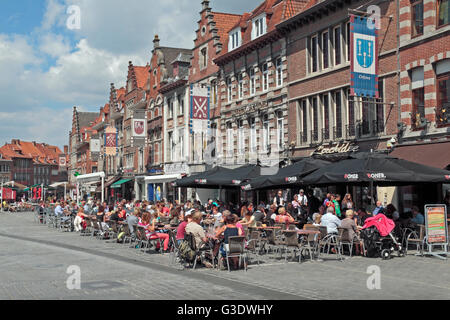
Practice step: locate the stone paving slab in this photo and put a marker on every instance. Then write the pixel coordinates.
(35, 269)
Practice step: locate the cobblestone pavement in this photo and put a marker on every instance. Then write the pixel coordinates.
(34, 261)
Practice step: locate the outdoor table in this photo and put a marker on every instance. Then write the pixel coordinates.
(307, 232)
(262, 228)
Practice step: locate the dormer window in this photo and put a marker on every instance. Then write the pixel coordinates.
(259, 26)
(235, 39)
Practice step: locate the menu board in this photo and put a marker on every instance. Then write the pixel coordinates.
(436, 224)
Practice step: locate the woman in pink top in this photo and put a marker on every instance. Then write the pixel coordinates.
(150, 231)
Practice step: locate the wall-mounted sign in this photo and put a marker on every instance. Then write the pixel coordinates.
(364, 57)
(139, 128)
(340, 147)
(250, 108)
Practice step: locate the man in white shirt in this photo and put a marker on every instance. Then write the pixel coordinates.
(302, 198)
(330, 221)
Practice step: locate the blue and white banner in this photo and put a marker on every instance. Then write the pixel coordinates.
(364, 57)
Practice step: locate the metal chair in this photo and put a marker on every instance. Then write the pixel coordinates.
(236, 249)
(291, 243)
(141, 238)
(417, 238)
(272, 241)
(310, 244)
(254, 243)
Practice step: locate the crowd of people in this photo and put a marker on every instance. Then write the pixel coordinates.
(213, 222)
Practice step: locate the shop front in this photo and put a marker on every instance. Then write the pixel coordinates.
(123, 190)
(160, 187)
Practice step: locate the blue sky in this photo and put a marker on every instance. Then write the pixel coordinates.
(46, 69)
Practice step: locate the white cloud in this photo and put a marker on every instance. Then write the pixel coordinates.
(37, 99)
(37, 124)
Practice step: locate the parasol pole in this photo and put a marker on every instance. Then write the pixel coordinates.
(2, 197)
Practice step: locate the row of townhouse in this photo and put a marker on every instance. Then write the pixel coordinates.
(32, 163)
(278, 80)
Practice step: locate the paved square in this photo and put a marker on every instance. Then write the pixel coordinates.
(35, 260)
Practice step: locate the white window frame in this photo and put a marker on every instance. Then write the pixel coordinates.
(235, 39)
(265, 77)
(229, 84)
(241, 85)
(265, 132)
(259, 26)
(241, 137)
(279, 71)
(340, 45)
(316, 37)
(280, 131)
(252, 82)
(230, 138)
(169, 146)
(322, 53)
(347, 41)
(252, 126)
(181, 143)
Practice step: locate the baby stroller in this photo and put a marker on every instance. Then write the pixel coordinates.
(379, 239)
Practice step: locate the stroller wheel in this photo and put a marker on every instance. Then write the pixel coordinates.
(386, 254)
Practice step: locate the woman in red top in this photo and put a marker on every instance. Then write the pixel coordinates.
(182, 227)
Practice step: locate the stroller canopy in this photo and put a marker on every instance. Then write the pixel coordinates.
(383, 224)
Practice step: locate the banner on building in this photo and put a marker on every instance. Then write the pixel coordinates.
(200, 108)
(111, 141)
(364, 57)
(139, 128)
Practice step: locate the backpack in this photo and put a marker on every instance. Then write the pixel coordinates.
(186, 252)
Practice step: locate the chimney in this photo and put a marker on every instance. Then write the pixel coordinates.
(205, 5)
(156, 42)
(66, 149)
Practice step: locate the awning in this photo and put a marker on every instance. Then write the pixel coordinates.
(110, 181)
(59, 184)
(163, 178)
(431, 154)
(90, 177)
(119, 183)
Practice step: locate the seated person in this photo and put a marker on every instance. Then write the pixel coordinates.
(283, 216)
(260, 214)
(317, 217)
(330, 221)
(228, 230)
(418, 218)
(352, 234)
(249, 220)
(201, 241)
(150, 231)
(181, 231)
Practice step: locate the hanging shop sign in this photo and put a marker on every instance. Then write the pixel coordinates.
(340, 147)
(364, 57)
